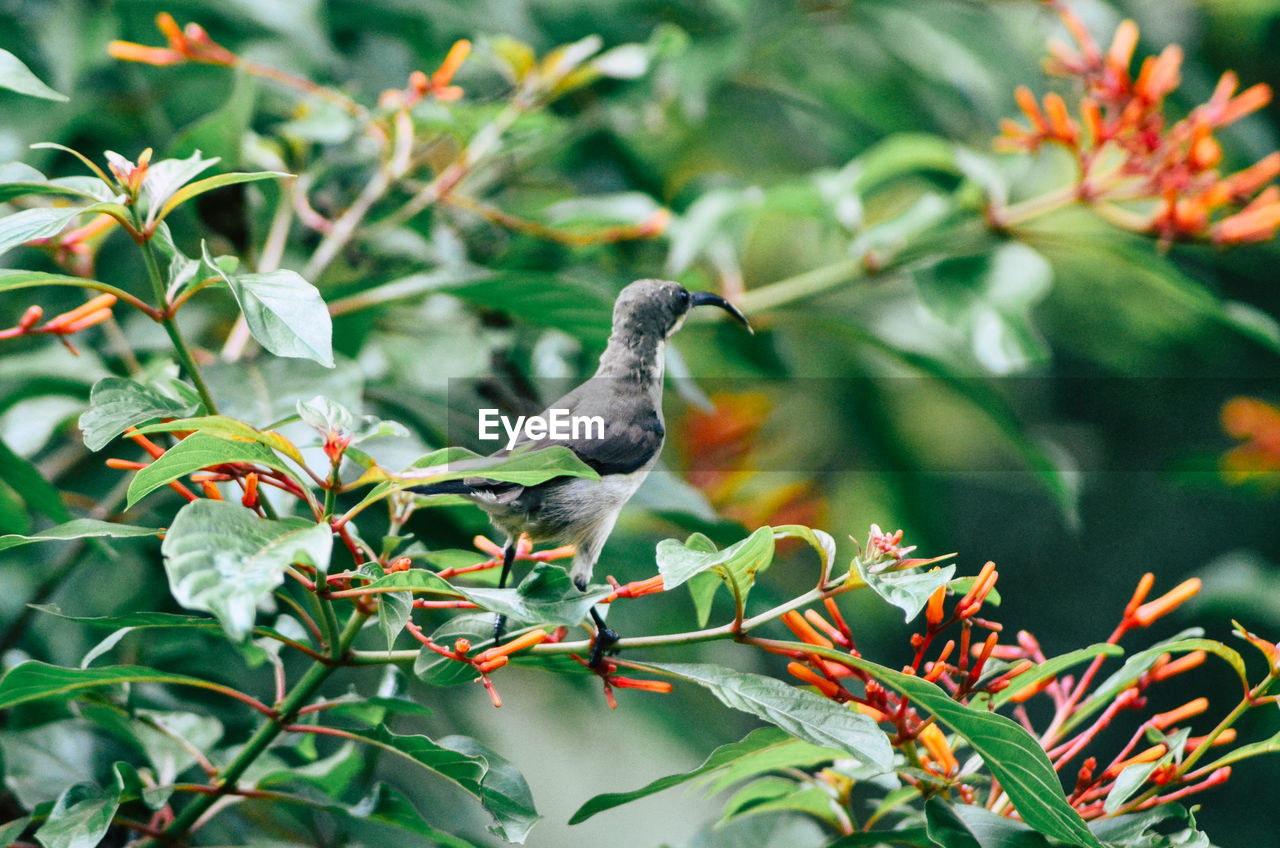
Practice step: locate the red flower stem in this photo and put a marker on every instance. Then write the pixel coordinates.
(1064, 712)
(1218, 776)
(1064, 753)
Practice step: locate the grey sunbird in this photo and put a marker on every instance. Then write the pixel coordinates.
(626, 392)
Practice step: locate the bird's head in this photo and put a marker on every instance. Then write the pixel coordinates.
(657, 308)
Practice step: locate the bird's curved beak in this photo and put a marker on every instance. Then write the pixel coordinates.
(712, 299)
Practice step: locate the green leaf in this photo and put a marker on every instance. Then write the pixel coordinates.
(902, 154)
(199, 187)
(193, 453)
(18, 179)
(116, 404)
(386, 805)
(10, 831)
(16, 76)
(973, 826)
(13, 278)
(819, 540)
(285, 313)
(39, 494)
(1012, 755)
(35, 681)
(526, 467)
(80, 818)
(1132, 777)
(1054, 666)
(785, 751)
(39, 222)
(736, 564)
(545, 596)
(167, 176)
(1244, 752)
(133, 620)
(79, 528)
(802, 714)
(988, 298)
(230, 429)
(394, 609)
(908, 589)
(500, 788)
(1137, 665)
(222, 558)
(771, 794)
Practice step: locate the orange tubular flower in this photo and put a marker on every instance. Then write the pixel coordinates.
(1166, 603)
(804, 631)
(1150, 755)
(935, 743)
(528, 640)
(1161, 721)
(826, 687)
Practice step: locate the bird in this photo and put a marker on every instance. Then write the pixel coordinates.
(626, 392)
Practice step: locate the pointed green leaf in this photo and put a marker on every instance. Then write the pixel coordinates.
(285, 313)
(739, 562)
(79, 528)
(199, 187)
(116, 404)
(223, 559)
(80, 818)
(907, 589)
(819, 540)
(193, 453)
(34, 681)
(166, 176)
(803, 714)
(16, 76)
(39, 494)
(771, 794)
(230, 429)
(761, 750)
(545, 596)
(973, 826)
(1056, 665)
(30, 224)
(1012, 755)
(500, 788)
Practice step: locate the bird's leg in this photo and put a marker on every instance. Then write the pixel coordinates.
(605, 639)
(508, 557)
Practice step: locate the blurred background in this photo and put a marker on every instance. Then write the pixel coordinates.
(1048, 398)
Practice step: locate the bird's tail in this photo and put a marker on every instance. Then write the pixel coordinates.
(448, 487)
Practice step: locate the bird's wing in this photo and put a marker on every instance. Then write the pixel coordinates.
(632, 428)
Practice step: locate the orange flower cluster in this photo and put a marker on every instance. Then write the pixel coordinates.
(91, 312)
(437, 85)
(1128, 153)
(186, 44)
(966, 668)
(1257, 425)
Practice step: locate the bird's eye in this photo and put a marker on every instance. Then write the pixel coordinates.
(684, 297)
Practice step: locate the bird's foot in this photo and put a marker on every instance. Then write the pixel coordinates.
(605, 639)
(499, 625)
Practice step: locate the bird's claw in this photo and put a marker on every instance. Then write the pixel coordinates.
(605, 639)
